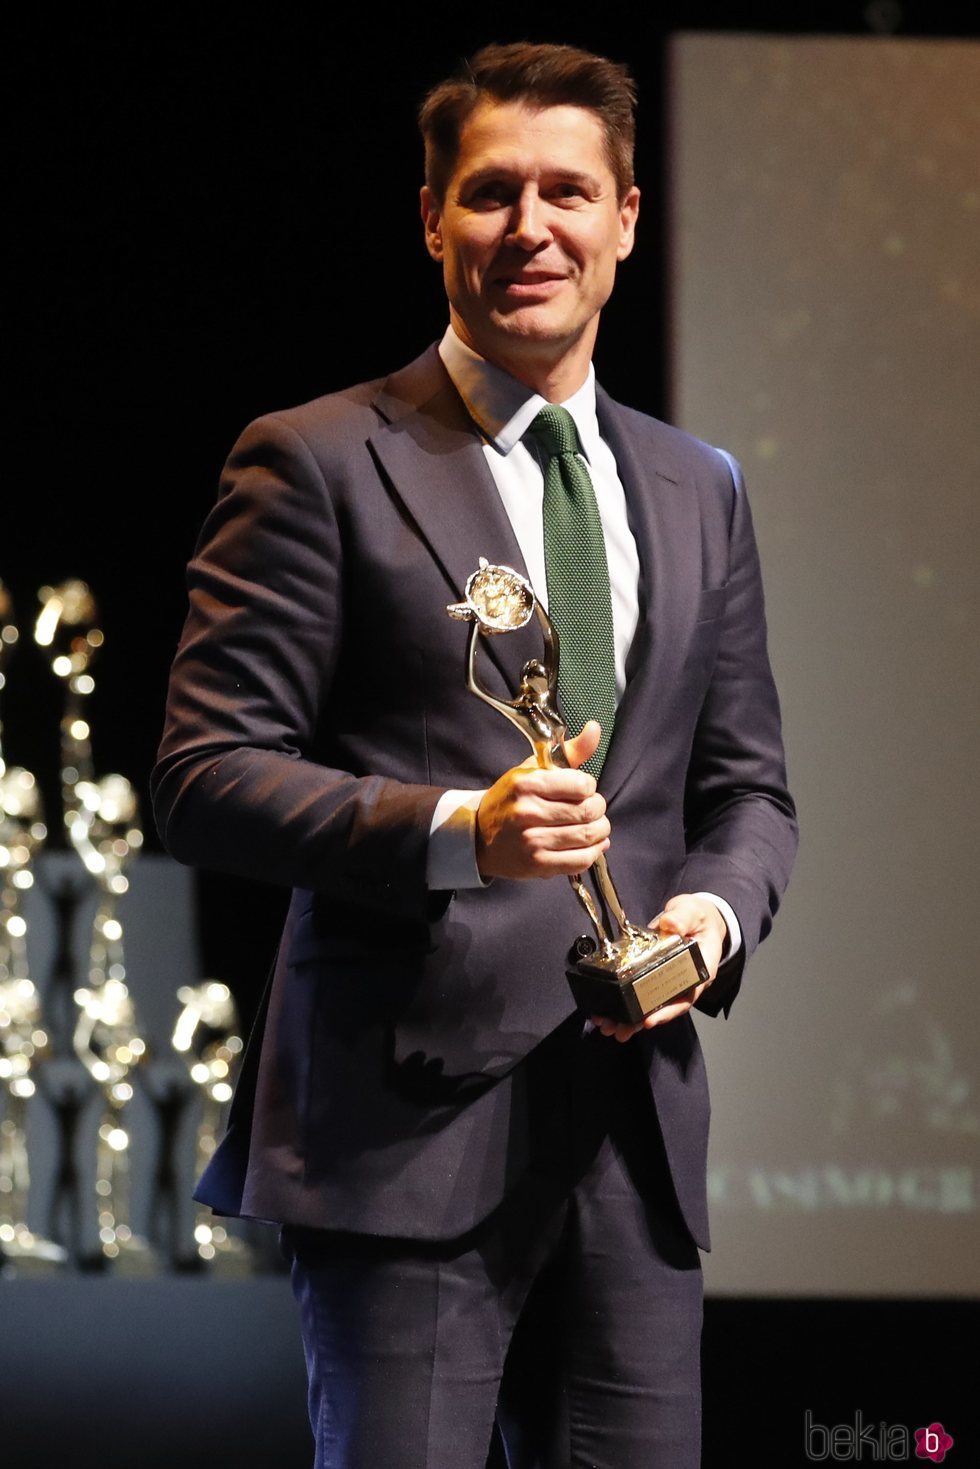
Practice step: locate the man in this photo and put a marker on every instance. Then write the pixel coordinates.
(458, 1160)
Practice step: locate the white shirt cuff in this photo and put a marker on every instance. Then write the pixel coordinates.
(451, 861)
(734, 940)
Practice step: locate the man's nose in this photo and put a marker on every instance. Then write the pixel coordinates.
(528, 222)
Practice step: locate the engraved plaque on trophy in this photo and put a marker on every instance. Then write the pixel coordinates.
(627, 971)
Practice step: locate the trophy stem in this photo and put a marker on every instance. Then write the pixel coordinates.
(20, 1247)
(591, 908)
(14, 1170)
(553, 756)
(112, 1183)
(119, 1248)
(607, 888)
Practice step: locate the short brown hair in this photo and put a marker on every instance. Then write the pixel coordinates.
(543, 76)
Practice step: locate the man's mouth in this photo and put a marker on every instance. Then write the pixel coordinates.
(530, 282)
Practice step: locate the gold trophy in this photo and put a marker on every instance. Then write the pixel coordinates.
(207, 1035)
(23, 1040)
(626, 972)
(66, 629)
(100, 817)
(102, 824)
(107, 1039)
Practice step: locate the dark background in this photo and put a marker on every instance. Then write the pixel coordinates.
(212, 214)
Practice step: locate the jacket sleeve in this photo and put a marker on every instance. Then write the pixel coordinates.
(739, 816)
(236, 786)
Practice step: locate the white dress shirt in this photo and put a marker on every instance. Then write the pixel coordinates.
(503, 409)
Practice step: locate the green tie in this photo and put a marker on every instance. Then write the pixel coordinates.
(579, 601)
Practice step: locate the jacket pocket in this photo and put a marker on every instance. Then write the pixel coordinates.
(711, 603)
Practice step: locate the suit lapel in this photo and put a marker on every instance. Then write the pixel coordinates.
(431, 454)
(664, 519)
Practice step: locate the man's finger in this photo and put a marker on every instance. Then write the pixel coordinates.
(553, 785)
(691, 916)
(564, 837)
(675, 1009)
(679, 917)
(570, 863)
(533, 812)
(585, 743)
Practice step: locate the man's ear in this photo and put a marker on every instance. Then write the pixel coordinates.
(432, 222)
(628, 212)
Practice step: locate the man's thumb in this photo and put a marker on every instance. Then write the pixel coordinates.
(578, 750)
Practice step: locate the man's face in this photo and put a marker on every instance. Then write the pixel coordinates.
(530, 231)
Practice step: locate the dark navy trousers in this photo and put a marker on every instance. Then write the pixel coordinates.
(572, 1314)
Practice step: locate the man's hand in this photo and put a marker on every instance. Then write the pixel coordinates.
(693, 918)
(539, 823)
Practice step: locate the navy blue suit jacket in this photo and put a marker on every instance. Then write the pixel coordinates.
(318, 710)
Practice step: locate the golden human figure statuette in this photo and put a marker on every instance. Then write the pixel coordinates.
(628, 971)
(24, 1041)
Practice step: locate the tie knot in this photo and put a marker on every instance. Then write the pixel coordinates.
(554, 428)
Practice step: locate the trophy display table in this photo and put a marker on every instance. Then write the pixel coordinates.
(173, 1371)
(128, 1360)
(87, 1167)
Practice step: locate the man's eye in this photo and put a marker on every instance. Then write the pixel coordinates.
(488, 195)
(568, 191)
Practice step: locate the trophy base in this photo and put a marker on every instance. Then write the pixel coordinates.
(23, 1253)
(638, 978)
(221, 1254)
(128, 1256)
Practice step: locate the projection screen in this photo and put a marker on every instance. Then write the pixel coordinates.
(825, 262)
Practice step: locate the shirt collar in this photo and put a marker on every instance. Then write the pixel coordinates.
(502, 408)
